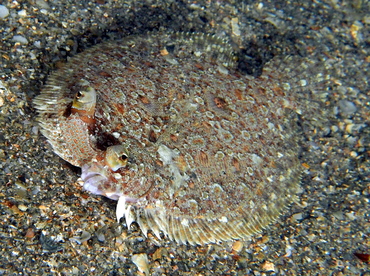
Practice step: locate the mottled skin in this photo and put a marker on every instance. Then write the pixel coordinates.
(167, 125)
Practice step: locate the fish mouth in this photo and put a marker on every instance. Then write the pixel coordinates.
(93, 177)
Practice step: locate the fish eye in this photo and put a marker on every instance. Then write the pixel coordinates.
(124, 157)
(85, 99)
(116, 157)
(79, 95)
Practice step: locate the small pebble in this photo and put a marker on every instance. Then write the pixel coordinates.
(141, 261)
(268, 266)
(100, 237)
(235, 26)
(37, 44)
(42, 4)
(237, 246)
(297, 216)
(159, 253)
(347, 107)
(30, 233)
(22, 207)
(4, 12)
(288, 251)
(85, 236)
(22, 13)
(20, 39)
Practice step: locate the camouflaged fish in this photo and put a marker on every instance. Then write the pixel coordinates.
(166, 124)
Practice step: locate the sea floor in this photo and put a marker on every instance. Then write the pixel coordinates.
(50, 226)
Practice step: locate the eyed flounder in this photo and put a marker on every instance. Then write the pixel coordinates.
(169, 126)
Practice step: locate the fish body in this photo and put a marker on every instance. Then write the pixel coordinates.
(167, 125)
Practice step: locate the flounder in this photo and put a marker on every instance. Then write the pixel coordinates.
(168, 125)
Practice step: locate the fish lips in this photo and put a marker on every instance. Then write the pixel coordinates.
(93, 177)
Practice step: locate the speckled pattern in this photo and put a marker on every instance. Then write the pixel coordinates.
(212, 153)
(50, 226)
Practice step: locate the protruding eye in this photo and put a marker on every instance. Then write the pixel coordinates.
(116, 157)
(85, 98)
(79, 95)
(124, 157)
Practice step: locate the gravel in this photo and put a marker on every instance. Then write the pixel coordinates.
(50, 226)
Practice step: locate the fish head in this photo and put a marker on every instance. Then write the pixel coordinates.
(100, 176)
